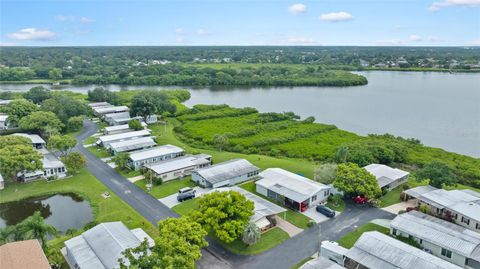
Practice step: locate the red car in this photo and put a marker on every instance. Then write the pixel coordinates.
(411, 208)
(360, 199)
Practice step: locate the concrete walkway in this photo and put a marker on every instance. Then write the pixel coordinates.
(135, 179)
(289, 228)
(400, 206)
(382, 222)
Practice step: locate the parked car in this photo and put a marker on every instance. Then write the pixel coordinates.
(360, 199)
(326, 211)
(184, 190)
(411, 208)
(186, 196)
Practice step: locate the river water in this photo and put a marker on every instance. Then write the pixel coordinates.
(440, 109)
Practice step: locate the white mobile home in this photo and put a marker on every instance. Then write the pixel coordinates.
(102, 246)
(4, 102)
(153, 155)
(51, 167)
(459, 206)
(388, 178)
(108, 139)
(227, 173)
(101, 111)
(443, 239)
(3, 122)
(119, 129)
(179, 167)
(37, 141)
(131, 145)
(294, 191)
(100, 104)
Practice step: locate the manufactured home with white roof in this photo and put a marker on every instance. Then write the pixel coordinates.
(5, 102)
(140, 143)
(102, 111)
(459, 206)
(3, 121)
(227, 173)
(102, 246)
(441, 238)
(179, 167)
(51, 167)
(117, 129)
(388, 178)
(294, 191)
(108, 139)
(100, 104)
(153, 155)
(37, 141)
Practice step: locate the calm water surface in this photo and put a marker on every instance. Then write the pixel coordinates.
(440, 109)
(63, 211)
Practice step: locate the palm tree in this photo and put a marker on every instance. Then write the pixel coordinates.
(35, 227)
(251, 234)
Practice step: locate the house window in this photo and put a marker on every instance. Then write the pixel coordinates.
(446, 253)
(326, 193)
(314, 198)
(394, 231)
(477, 226)
(465, 220)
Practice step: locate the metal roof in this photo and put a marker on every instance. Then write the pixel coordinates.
(111, 109)
(3, 118)
(123, 136)
(155, 152)
(99, 104)
(470, 210)
(132, 144)
(385, 174)
(290, 185)
(439, 232)
(418, 191)
(5, 102)
(117, 115)
(121, 127)
(442, 198)
(50, 161)
(36, 139)
(262, 207)
(379, 251)
(226, 170)
(102, 246)
(178, 163)
(321, 263)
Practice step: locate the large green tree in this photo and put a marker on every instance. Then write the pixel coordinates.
(75, 123)
(135, 125)
(38, 94)
(65, 107)
(74, 162)
(17, 109)
(224, 213)
(16, 155)
(151, 102)
(178, 247)
(439, 174)
(62, 143)
(55, 74)
(46, 123)
(352, 179)
(121, 160)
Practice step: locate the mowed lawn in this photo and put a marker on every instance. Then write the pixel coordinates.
(349, 239)
(167, 188)
(87, 186)
(267, 240)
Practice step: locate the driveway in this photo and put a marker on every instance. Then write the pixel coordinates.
(316, 216)
(283, 256)
(400, 206)
(171, 200)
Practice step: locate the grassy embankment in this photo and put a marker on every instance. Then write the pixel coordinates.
(349, 239)
(88, 187)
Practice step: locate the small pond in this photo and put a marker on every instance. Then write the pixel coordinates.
(63, 211)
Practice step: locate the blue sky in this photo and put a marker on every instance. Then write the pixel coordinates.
(240, 22)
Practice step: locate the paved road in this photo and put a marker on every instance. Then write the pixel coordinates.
(283, 256)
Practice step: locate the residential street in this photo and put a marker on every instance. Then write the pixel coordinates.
(283, 256)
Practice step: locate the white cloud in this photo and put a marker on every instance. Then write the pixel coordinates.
(415, 38)
(179, 31)
(69, 18)
(86, 20)
(32, 34)
(297, 8)
(390, 42)
(448, 3)
(475, 42)
(202, 32)
(336, 16)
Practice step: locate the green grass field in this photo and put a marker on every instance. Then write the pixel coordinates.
(349, 240)
(167, 188)
(87, 186)
(340, 207)
(99, 152)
